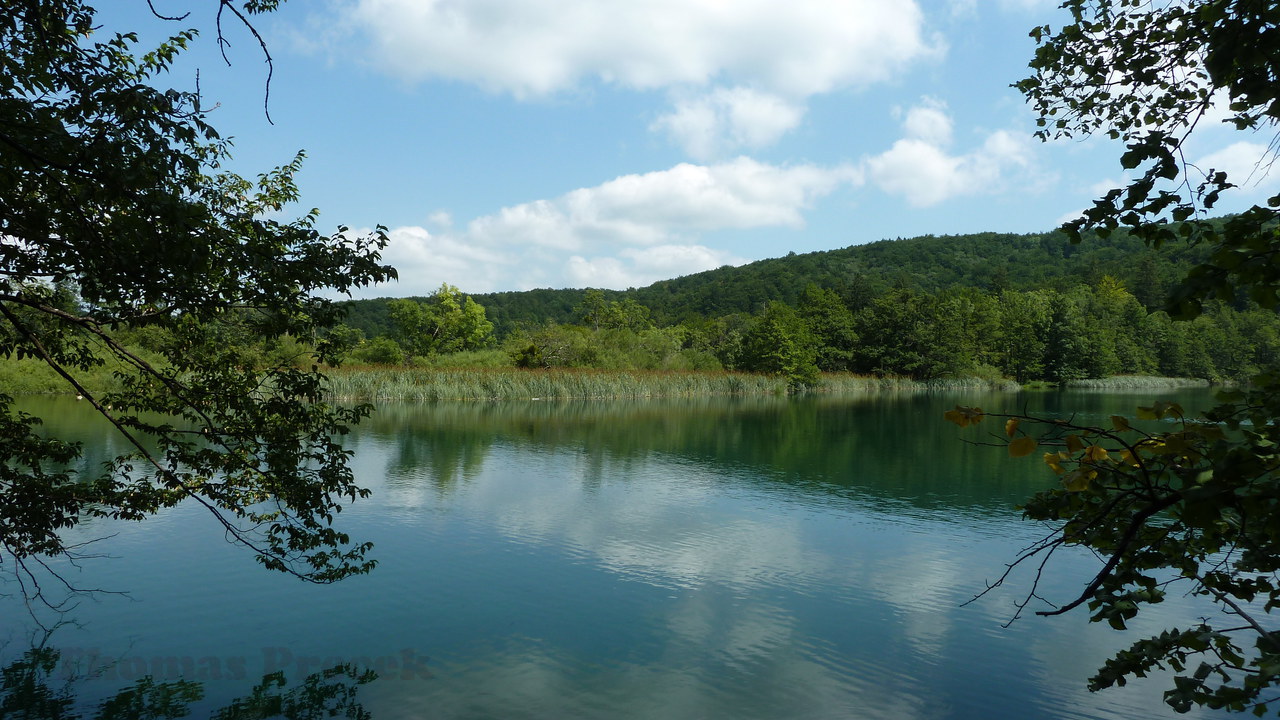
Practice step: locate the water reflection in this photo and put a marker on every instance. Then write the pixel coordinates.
(43, 684)
(887, 446)
(748, 558)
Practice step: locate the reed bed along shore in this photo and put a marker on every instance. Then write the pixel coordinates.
(388, 383)
(30, 376)
(1136, 382)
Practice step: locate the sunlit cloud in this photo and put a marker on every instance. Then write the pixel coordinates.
(729, 119)
(923, 170)
(799, 48)
(739, 73)
(1249, 165)
(644, 266)
(632, 230)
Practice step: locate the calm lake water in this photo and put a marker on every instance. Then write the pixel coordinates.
(719, 558)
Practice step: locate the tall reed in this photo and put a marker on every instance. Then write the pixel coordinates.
(1136, 382)
(392, 383)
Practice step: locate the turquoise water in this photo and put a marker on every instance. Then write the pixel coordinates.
(726, 558)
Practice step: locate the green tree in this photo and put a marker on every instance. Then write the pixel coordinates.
(1188, 506)
(831, 323)
(1024, 333)
(345, 338)
(904, 332)
(112, 185)
(1122, 318)
(627, 314)
(779, 342)
(720, 337)
(1069, 346)
(380, 351)
(554, 346)
(972, 321)
(447, 322)
(593, 308)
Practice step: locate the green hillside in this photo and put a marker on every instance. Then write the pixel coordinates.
(996, 306)
(859, 273)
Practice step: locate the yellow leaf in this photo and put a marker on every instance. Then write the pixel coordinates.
(1120, 423)
(1022, 447)
(964, 416)
(1127, 458)
(1176, 445)
(1074, 443)
(1010, 426)
(1051, 459)
(1078, 480)
(1159, 410)
(1150, 446)
(1096, 453)
(1208, 432)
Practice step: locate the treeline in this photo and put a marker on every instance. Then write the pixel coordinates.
(991, 262)
(1045, 334)
(923, 309)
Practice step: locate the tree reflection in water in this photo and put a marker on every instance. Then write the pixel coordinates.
(33, 688)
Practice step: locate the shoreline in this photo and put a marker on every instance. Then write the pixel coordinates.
(487, 384)
(373, 383)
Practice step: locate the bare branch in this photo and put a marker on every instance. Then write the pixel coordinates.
(1122, 548)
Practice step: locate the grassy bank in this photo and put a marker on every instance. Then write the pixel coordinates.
(382, 383)
(30, 376)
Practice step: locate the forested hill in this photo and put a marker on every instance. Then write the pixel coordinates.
(988, 261)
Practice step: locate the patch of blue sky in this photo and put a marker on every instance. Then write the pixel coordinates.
(511, 145)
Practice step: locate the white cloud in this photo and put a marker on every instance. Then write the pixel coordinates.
(929, 123)
(541, 222)
(660, 206)
(600, 272)
(632, 230)
(739, 72)
(671, 260)
(413, 248)
(921, 169)
(1102, 187)
(1247, 164)
(800, 47)
(728, 119)
(637, 267)
(970, 7)
(1065, 218)
(1030, 5)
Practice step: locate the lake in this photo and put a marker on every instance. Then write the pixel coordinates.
(711, 558)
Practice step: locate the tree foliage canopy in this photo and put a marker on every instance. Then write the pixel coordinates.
(111, 188)
(448, 321)
(1188, 504)
(1149, 74)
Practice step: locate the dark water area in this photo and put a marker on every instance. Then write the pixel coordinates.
(712, 558)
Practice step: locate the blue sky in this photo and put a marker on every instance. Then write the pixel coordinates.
(512, 144)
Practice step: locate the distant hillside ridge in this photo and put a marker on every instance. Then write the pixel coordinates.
(858, 273)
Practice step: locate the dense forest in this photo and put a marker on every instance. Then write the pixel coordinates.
(1026, 307)
(987, 261)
